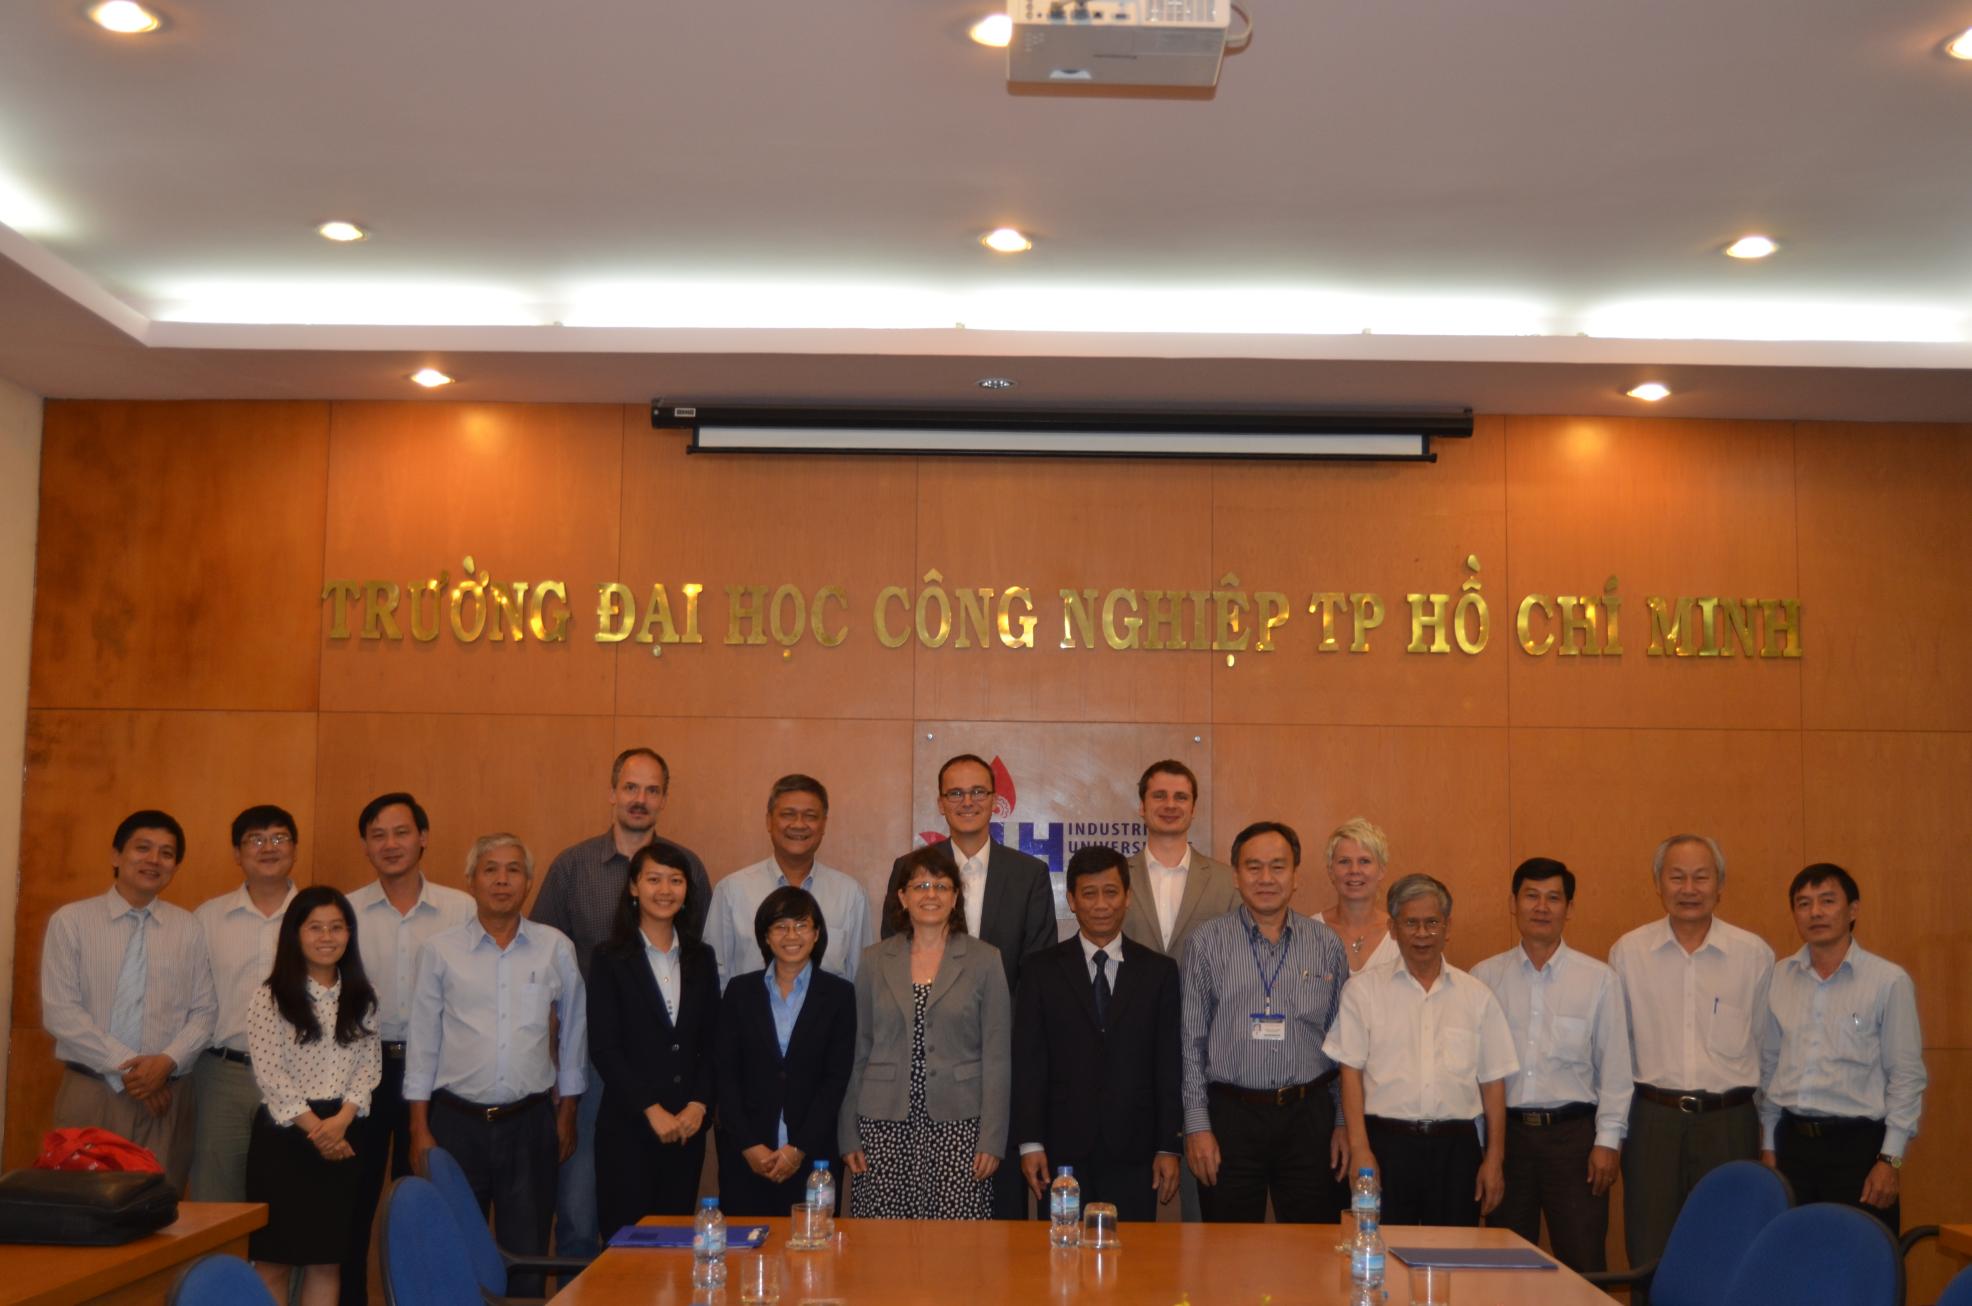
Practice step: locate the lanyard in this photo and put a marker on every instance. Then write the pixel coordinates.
(1266, 981)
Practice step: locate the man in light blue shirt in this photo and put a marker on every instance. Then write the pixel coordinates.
(480, 1071)
(797, 817)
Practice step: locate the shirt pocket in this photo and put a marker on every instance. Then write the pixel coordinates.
(532, 999)
(1727, 1037)
(1571, 1040)
(1854, 1039)
(1458, 1052)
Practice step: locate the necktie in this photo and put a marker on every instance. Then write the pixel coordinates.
(127, 1011)
(1102, 989)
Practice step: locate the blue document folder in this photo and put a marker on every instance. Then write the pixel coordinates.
(679, 1236)
(1474, 1258)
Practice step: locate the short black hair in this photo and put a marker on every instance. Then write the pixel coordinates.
(1259, 828)
(626, 930)
(374, 808)
(149, 818)
(1094, 860)
(788, 903)
(1821, 873)
(798, 784)
(992, 781)
(616, 767)
(259, 817)
(1169, 766)
(1544, 868)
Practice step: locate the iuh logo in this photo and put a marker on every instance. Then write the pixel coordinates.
(1003, 801)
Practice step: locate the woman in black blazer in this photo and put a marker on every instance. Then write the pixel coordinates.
(653, 1002)
(779, 1095)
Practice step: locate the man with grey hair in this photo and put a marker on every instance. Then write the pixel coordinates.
(1696, 992)
(1425, 1051)
(479, 1071)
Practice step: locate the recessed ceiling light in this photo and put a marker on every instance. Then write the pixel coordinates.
(1006, 240)
(341, 232)
(1751, 247)
(997, 383)
(1959, 47)
(430, 378)
(126, 17)
(1650, 391)
(994, 30)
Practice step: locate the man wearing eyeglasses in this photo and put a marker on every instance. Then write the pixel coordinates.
(241, 929)
(1425, 1050)
(1009, 902)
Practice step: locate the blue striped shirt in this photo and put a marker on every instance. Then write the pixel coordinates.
(1227, 965)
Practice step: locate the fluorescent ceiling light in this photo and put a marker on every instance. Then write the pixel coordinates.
(26, 212)
(995, 30)
(343, 303)
(124, 17)
(1733, 319)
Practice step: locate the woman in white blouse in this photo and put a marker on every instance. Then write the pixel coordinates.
(1357, 856)
(312, 1032)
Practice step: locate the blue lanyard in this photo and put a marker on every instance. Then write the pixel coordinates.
(1267, 982)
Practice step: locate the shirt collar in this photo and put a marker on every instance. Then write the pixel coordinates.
(476, 932)
(1152, 864)
(317, 991)
(773, 987)
(1114, 948)
(1560, 955)
(1252, 927)
(240, 900)
(1665, 936)
(977, 862)
(377, 897)
(651, 949)
(119, 906)
(1806, 965)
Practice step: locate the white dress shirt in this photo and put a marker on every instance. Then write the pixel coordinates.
(389, 941)
(1569, 1032)
(1422, 1055)
(972, 874)
(241, 943)
(290, 1074)
(663, 963)
(1848, 1045)
(737, 897)
(81, 958)
(1696, 1019)
(1167, 890)
(479, 1020)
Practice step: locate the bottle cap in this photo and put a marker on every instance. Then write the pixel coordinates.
(1366, 1171)
(705, 1202)
(1066, 1171)
(821, 1165)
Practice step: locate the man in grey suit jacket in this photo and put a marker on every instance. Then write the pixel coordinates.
(1178, 887)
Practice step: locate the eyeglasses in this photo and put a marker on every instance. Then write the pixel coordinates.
(257, 841)
(1431, 926)
(939, 887)
(975, 793)
(790, 929)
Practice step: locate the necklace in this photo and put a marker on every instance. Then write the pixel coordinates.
(1356, 945)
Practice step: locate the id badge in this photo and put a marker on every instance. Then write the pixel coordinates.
(1269, 1028)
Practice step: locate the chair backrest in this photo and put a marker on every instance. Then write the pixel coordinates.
(1719, 1220)
(219, 1280)
(1959, 1291)
(424, 1255)
(1821, 1253)
(456, 1189)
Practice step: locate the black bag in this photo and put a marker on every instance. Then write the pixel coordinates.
(84, 1208)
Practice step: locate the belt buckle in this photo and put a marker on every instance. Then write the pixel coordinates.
(1691, 1104)
(492, 1113)
(1280, 1094)
(1534, 1119)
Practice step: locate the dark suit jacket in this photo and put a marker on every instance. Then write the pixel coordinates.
(643, 1057)
(1018, 917)
(758, 1085)
(1089, 1095)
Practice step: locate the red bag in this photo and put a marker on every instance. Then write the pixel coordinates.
(93, 1149)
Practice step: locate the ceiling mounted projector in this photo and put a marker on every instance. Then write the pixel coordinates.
(1117, 42)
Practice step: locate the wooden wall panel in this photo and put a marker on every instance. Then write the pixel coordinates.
(1669, 508)
(177, 546)
(741, 519)
(1885, 534)
(1393, 528)
(1049, 524)
(1438, 792)
(32, 1078)
(1602, 800)
(1934, 1180)
(544, 778)
(1877, 805)
(530, 492)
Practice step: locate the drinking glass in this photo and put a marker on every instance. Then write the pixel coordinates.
(759, 1275)
(1099, 1226)
(806, 1228)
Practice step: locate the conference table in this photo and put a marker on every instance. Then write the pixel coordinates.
(988, 1261)
(139, 1272)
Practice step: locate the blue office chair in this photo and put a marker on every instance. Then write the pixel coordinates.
(491, 1264)
(1718, 1222)
(425, 1262)
(1820, 1252)
(1959, 1291)
(219, 1280)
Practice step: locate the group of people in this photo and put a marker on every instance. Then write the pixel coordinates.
(1196, 1040)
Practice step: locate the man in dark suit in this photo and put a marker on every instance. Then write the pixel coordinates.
(1095, 1053)
(1009, 903)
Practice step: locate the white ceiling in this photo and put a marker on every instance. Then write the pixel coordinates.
(1522, 200)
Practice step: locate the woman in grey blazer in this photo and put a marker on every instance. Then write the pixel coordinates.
(924, 1122)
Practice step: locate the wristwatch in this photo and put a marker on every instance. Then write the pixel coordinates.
(1894, 1162)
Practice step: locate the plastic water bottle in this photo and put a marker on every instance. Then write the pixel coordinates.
(1366, 1251)
(821, 1198)
(708, 1245)
(1366, 1196)
(1065, 1209)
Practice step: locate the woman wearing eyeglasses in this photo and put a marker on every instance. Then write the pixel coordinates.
(787, 1035)
(924, 1120)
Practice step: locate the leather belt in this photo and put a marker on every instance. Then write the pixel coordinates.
(453, 1102)
(394, 1051)
(227, 1054)
(1827, 1126)
(1695, 1102)
(1540, 1118)
(1420, 1128)
(1271, 1096)
(85, 1071)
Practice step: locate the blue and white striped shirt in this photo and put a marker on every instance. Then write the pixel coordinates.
(80, 962)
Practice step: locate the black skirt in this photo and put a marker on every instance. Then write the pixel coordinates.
(309, 1200)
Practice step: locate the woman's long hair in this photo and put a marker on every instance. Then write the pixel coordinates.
(289, 979)
(626, 931)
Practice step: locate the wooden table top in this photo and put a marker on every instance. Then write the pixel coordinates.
(1956, 1239)
(57, 1276)
(989, 1261)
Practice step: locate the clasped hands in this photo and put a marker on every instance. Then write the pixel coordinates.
(677, 1128)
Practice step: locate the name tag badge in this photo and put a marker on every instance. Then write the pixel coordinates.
(1269, 1028)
